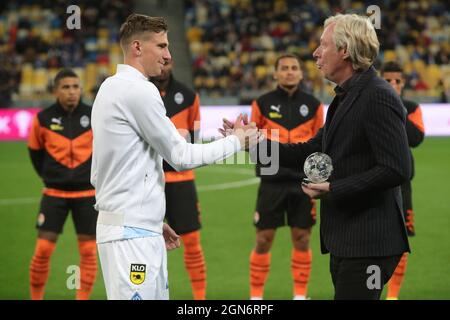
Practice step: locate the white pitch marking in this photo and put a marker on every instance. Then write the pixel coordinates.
(203, 188)
(7, 202)
(229, 185)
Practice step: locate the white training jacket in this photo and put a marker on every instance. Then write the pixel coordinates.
(131, 136)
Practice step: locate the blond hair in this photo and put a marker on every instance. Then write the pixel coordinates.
(137, 24)
(357, 35)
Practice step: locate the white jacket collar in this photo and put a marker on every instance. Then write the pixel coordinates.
(130, 72)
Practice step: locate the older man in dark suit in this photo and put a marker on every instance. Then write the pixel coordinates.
(362, 225)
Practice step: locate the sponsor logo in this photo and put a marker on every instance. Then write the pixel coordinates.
(56, 127)
(275, 108)
(304, 110)
(275, 115)
(84, 121)
(137, 273)
(179, 98)
(56, 124)
(22, 120)
(4, 124)
(57, 120)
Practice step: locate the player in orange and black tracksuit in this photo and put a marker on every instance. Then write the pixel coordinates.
(182, 208)
(415, 131)
(289, 115)
(60, 147)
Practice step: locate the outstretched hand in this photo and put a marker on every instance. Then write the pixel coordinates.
(248, 133)
(228, 126)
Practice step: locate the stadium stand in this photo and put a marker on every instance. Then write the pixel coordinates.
(234, 43)
(35, 43)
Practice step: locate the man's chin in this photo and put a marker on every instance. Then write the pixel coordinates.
(155, 74)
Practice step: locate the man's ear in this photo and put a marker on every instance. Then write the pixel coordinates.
(136, 45)
(346, 55)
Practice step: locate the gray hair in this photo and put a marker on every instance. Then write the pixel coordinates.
(357, 35)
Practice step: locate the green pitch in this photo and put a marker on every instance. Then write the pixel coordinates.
(227, 196)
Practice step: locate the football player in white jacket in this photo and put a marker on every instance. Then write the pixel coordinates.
(132, 134)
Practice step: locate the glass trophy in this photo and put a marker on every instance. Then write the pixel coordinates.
(318, 168)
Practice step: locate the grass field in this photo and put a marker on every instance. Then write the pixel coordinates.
(228, 234)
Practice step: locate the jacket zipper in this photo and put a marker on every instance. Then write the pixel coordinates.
(70, 145)
(289, 120)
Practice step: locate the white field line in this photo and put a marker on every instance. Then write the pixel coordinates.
(8, 202)
(202, 188)
(228, 185)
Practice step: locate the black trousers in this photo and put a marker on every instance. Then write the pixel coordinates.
(361, 278)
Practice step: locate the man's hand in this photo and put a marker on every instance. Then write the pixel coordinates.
(316, 190)
(171, 238)
(248, 133)
(228, 126)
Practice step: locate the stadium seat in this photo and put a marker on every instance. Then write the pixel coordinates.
(40, 81)
(390, 55)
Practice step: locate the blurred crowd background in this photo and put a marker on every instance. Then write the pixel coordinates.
(231, 45)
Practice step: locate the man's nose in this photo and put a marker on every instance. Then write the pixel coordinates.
(167, 55)
(315, 53)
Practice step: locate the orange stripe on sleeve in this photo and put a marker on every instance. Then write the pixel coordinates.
(303, 132)
(194, 114)
(180, 120)
(35, 140)
(417, 119)
(275, 131)
(256, 115)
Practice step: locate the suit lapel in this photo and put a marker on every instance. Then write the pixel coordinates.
(342, 109)
(326, 127)
(346, 105)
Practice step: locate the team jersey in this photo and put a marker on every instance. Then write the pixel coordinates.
(183, 108)
(295, 119)
(60, 147)
(132, 134)
(415, 129)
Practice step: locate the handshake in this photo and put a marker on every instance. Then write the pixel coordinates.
(248, 134)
